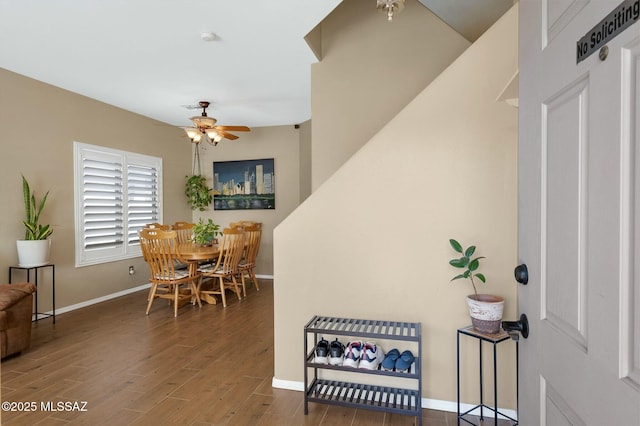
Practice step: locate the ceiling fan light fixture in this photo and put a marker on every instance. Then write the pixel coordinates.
(192, 132)
(390, 7)
(204, 128)
(194, 135)
(212, 133)
(203, 121)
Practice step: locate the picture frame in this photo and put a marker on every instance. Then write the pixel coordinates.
(244, 185)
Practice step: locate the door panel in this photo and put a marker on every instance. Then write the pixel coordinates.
(564, 186)
(579, 218)
(558, 412)
(630, 229)
(557, 14)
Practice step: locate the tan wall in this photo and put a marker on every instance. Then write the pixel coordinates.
(38, 125)
(370, 69)
(305, 160)
(282, 143)
(372, 241)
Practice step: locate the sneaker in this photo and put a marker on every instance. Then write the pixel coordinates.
(389, 363)
(322, 352)
(404, 362)
(371, 356)
(352, 354)
(336, 353)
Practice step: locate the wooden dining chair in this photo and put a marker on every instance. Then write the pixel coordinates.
(225, 269)
(160, 251)
(156, 225)
(243, 223)
(247, 265)
(184, 231)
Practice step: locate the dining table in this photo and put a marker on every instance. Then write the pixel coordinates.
(196, 253)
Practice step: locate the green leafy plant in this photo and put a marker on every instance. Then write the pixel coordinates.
(205, 232)
(467, 263)
(197, 192)
(34, 229)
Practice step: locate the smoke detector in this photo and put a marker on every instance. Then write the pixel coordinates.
(207, 36)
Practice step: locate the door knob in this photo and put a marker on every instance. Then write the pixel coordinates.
(522, 274)
(521, 326)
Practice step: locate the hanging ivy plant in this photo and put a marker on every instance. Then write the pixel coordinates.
(198, 194)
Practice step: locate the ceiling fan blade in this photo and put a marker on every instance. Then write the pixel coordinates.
(228, 136)
(234, 128)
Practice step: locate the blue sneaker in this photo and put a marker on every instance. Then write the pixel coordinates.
(404, 362)
(389, 362)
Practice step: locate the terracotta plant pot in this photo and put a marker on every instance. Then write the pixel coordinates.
(486, 312)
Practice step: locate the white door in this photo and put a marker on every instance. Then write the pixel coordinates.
(579, 216)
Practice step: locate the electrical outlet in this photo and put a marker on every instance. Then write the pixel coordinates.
(131, 270)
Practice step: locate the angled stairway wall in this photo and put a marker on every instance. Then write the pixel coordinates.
(369, 70)
(372, 241)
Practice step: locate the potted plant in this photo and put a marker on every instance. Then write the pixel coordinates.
(205, 233)
(197, 192)
(485, 309)
(34, 249)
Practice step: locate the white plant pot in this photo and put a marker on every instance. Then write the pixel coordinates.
(486, 312)
(33, 253)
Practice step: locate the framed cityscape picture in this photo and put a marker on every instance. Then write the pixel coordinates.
(244, 185)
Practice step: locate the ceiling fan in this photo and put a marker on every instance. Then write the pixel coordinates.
(205, 128)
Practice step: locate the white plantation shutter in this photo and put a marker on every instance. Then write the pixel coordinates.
(102, 204)
(142, 199)
(117, 193)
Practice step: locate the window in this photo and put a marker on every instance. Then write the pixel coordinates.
(116, 194)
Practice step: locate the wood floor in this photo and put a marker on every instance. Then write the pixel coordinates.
(208, 366)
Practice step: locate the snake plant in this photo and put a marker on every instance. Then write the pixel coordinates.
(34, 230)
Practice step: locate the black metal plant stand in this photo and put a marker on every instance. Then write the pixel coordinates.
(493, 339)
(39, 315)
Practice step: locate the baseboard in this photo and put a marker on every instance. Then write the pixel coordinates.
(99, 299)
(287, 384)
(264, 277)
(113, 296)
(427, 403)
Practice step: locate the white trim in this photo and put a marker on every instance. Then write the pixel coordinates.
(264, 277)
(287, 384)
(427, 403)
(99, 299)
(124, 293)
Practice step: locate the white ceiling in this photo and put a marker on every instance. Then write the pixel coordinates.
(147, 56)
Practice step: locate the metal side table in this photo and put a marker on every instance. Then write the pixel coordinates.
(493, 339)
(40, 315)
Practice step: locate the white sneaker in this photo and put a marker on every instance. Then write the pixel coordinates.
(352, 354)
(371, 357)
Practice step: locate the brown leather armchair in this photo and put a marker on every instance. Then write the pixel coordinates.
(16, 307)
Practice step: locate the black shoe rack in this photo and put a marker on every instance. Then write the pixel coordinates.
(405, 401)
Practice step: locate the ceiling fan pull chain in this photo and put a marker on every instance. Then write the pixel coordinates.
(196, 160)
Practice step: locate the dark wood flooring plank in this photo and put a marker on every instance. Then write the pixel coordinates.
(208, 366)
